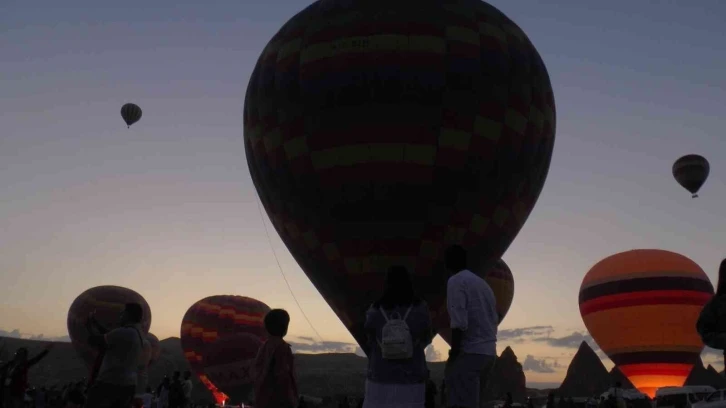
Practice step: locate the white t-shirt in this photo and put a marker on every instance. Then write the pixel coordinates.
(124, 349)
(472, 308)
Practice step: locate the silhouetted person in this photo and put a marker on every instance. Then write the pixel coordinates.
(163, 393)
(302, 403)
(562, 403)
(530, 403)
(443, 393)
(275, 383)
(176, 392)
(14, 376)
(711, 323)
(115, 384)
(398, 329)
(551, 400)
(474, 319)
(187, 388)
(570, 402)
(430, 394)
(508, 401)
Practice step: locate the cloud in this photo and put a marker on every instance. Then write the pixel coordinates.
(432, 354)
(359, 352)
(310, 346)
(571, 341)
(710, 352)
(521, 334)
(539, 365)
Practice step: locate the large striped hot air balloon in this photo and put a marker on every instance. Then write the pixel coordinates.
(107, 302)
(205, 328)
(500, 279)
(381, 132)
(641, 308)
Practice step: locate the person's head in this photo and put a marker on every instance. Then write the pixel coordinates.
(721, 285)
(21, 355)
(148, 390)
(398, 290)
(276, 322)
(132, 314)
(455, 258)
(177, 375)
(187, 375)
(618, 384)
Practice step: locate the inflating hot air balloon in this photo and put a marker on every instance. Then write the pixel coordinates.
(691, 171)
(379, 133)
(229, 364)
(641, 308)
(130, 113)
(500, 279)
(214, 319)
(107, 302)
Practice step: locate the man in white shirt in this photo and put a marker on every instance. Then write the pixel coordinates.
(472, 309)
(187, 388)
(115, 384)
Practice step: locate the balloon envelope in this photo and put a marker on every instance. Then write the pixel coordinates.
(380, 134)
(216, 318)
(130, 113)
(155, 348)
(641, 308)
(691, 171)
(500, 279)
(107, 302)
(229, 365)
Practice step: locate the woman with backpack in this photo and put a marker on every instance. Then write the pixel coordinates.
(399, 328)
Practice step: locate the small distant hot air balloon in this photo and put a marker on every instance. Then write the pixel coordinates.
(500, 279)
(691, 171)
(641, 308)
(214, 319)
(131, 113)
(107, 302)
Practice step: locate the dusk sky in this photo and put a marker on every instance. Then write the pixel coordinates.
(168, 208)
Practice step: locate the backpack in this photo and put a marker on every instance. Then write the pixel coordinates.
(396, 341)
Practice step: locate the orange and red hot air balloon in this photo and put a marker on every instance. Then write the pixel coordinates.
(641, 308)
(500, 279)
(107, 303)
(206, 330)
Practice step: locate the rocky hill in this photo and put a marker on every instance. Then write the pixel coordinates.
(701, 375)
(586, 375)
(507, 376)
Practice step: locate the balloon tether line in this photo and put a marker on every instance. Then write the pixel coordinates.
(279, 266)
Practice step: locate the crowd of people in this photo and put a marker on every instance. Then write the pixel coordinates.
(398, 325)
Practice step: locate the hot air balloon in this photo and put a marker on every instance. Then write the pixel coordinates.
(379, 134)
(213, 319)
(229, 364)
(131, 113)
(691, 171)
(155, 348)
(500, 279)
(641, 308)
(107, 302)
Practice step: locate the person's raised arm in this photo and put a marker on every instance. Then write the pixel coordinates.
(35, 360)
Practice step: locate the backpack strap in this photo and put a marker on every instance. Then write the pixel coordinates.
(383, 313)
(407, 312)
